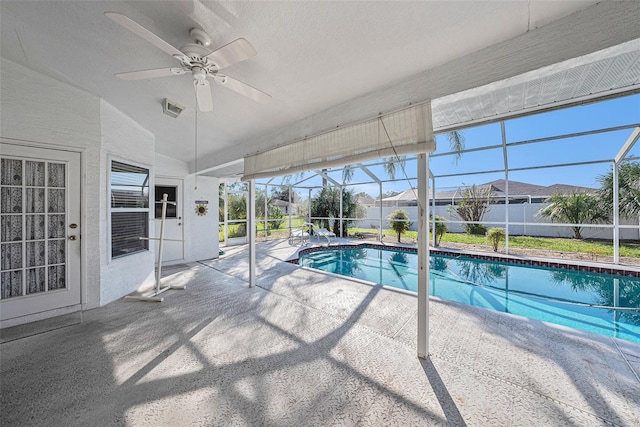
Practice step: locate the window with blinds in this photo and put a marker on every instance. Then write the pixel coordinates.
(129, 194)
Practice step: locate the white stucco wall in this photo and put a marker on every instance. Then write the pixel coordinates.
(122, 139)
(38, 110)
(200, 232)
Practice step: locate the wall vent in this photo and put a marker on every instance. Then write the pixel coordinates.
(171, 108)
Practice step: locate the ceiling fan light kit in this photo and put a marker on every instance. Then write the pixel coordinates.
(198, 59)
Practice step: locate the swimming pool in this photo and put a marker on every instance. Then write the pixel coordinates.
(606, 304)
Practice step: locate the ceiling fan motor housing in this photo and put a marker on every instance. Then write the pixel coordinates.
(200, 37)
(199, 74)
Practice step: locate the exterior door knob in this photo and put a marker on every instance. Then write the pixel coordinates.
(73, 237)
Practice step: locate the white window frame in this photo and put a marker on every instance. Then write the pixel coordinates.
(110, 210)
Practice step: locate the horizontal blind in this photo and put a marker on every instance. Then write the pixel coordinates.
(126, 230)
(129, 208)
(408, 131)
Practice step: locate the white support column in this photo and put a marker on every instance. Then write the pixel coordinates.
(433, 208)
(226, 215)
(506, 188)
(309, 210)
(341, 215)
(626, 147)
(251, 228)
(289, 209)
(423, 257)
(266, 215)
(616, 215)
(380, 227)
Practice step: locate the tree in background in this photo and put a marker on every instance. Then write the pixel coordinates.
(628, 190)
(282, 193)
(399, 222)
(475, 203)
(576, 208)
(326, 205)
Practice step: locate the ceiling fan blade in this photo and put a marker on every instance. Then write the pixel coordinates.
(203, 95)
(150, 74)
(236, 51)
(143, 32)
(243, 89)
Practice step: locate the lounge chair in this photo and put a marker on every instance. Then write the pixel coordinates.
(324, 232)
(300, 235)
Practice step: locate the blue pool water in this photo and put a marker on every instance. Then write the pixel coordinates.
(605, 304)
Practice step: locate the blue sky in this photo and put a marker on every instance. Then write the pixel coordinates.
(611, 113)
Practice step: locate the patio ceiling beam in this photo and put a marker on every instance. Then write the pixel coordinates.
(558, 105)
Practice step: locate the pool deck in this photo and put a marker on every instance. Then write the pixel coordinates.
(307, 348)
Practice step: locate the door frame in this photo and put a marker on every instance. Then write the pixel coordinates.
(82, 301)
(170, 181)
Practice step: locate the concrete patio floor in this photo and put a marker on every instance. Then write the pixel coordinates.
(307, 348)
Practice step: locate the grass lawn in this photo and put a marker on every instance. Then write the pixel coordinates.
(525, 242)
(557, 244)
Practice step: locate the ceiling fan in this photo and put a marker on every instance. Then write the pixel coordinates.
(198, 59)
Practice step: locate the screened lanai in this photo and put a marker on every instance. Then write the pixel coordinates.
(518, 165)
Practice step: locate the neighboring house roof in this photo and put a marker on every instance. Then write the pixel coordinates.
(499, 186)
(565, 189)
(409, 194)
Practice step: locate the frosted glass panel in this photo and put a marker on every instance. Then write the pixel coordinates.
(56, 201)
(35, 254)
(36, 279)
(35, 227)
(11, 200)
(56, 277)
(56, 175)
(11, 256)
(11, 228)
(33, 224)
(35, 200)
(56, 251)
(11, 284)
(34, 174)
(10, 172)
(56, 226)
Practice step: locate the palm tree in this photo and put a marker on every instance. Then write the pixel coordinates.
(456, 143)
(399, 222)
(577, 208)
(628, 190)
(392, 164)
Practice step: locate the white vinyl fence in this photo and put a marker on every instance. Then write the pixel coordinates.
(523, 220)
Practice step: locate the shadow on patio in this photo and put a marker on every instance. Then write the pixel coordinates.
(304, 348)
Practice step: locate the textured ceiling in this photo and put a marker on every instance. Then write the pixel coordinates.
(324, 63)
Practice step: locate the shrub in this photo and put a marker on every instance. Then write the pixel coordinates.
(441, 228)
(495, 236)
(477, 229)
(240, 231)
(276, 218)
